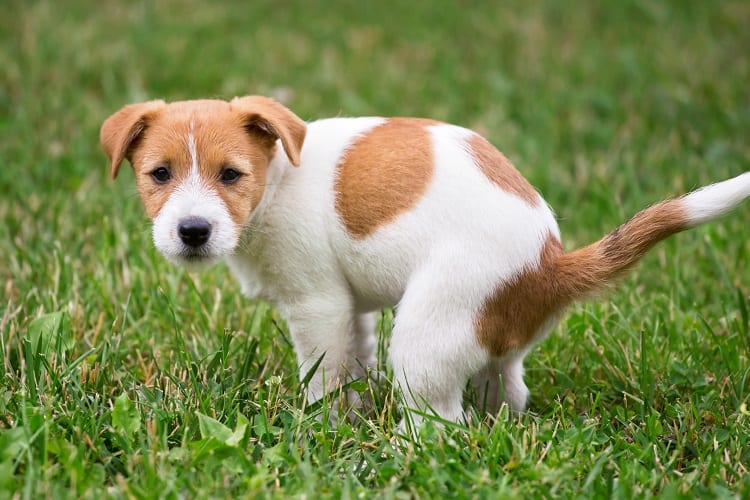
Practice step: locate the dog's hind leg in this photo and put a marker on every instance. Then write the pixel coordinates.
(365, 343)
(515, 391)
(434, 349)
(486, 387)
(501, 381)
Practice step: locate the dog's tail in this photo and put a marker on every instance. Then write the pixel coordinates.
(583, 271)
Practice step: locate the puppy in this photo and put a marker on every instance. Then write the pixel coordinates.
(333, 220)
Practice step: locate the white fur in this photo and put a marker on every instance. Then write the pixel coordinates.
(193, 151)
(715, 200)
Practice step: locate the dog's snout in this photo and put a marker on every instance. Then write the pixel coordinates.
(194, 231)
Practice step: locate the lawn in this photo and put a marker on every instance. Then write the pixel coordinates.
(124, 376)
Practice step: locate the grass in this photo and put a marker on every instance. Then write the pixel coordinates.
(123, 376)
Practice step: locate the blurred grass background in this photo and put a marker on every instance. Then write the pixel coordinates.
(605, 106)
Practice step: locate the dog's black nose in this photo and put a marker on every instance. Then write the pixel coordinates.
(194, 231)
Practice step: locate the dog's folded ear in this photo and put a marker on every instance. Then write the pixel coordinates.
(274, 119)
(120, 131)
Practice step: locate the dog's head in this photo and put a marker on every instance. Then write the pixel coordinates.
(200, 167)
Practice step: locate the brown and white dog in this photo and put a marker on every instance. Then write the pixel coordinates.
(421, 215)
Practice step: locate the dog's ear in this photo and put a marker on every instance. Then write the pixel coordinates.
(274, 119)
(122, 129)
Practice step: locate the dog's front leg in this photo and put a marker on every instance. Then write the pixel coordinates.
(323, 332)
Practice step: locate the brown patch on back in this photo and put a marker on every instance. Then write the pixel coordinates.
(500, 170)
(514, 313)
(383, 174)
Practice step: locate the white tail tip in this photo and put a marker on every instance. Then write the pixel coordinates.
(715, 200)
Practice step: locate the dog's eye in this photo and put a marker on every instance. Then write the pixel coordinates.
(161, 175)
(229, 175)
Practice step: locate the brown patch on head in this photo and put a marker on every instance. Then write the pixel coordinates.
(121, 131)
(514, 313)
(208, 137)
(500, 170)
(383, 174)
(267, 116)
(205, 137)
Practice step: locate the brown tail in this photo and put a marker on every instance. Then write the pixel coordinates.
(590, 268)
(516, 314)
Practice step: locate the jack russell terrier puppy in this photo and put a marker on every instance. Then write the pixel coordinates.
(333, 220)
